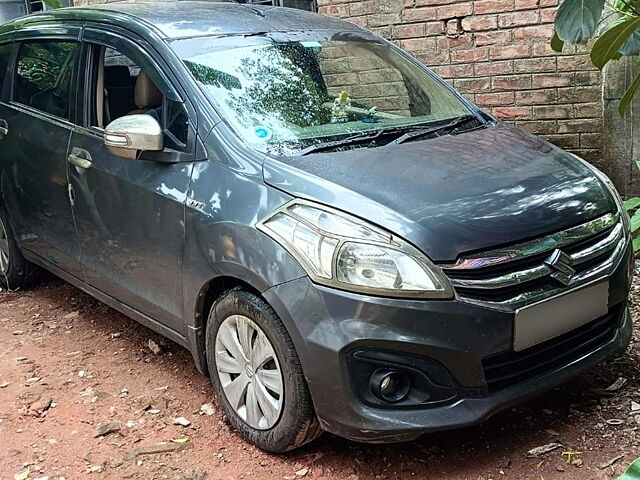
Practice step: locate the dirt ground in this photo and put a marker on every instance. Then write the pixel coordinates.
(70, 366)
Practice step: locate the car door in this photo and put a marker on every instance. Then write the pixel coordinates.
(36, 116)
(130, 213)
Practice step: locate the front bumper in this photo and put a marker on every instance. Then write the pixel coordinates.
(328, 326)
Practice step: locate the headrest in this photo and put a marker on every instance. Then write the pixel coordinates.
(117, 76)
(147, 94)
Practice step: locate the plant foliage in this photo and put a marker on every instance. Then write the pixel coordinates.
(52, 3)
(632, 472)
(615, 26)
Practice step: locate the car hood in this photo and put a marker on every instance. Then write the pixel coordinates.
(453, 194)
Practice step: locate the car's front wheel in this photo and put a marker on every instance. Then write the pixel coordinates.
(257, 374)
(15, 271)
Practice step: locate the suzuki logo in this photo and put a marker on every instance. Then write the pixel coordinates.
(560, 263)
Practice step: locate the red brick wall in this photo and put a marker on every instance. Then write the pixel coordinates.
(497, 53)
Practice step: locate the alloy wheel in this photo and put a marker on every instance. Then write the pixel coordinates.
(249, 372)
(4, 249)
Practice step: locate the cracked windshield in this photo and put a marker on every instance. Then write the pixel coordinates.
(287, 98)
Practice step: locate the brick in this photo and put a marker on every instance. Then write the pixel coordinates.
(535, 32)
(444, 43)
(550, 111)
(564, 141)
(538, 127)
(575, 62)
(588, 78)
(454, 10)
(500, 37)
(535, 65)
(511, 82)
(480, 23)
(510, 51)
(511, 113)
(549, 3)
(590, 140)
(525, 4)
(579, 94)
(457, 71)
(542, 80)
(418, 44)
(587, 110)
(382, 19)
(517, 19)
(537, 97)
(587, 125)
(548, 15)
(495, 99)
(408, 31)
(362, 8)
(493, 6)
(432, 57)
(472, 85)
(494, 68)
(472, 55)
(419, 14)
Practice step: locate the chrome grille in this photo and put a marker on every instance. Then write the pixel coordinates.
(510, 277)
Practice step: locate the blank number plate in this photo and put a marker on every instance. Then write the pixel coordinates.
(545, 320)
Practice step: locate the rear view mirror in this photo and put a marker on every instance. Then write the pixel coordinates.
(128, 135)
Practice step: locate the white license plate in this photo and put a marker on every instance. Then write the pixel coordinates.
(549, 318)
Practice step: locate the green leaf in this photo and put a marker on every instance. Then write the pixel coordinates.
(609, 44)
(635, 222)
(625, 101)
(632, 203)
(633, 471)
(52, 3)
(576, 20)
(557, 44)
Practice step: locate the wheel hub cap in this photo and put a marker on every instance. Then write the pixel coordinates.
(249, 372)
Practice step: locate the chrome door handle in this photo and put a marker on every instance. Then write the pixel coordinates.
(79, 162)
(4, 128)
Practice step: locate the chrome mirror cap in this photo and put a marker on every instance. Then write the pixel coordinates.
(126, 136)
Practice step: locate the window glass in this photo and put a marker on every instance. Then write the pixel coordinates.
(5, 56)
(116, 96)
(285, 96)
(44, 76)
(177, 122)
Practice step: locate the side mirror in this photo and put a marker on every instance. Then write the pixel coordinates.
(128, 135)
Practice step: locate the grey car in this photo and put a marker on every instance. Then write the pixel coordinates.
(342, 241)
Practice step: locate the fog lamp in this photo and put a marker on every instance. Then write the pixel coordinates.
(390, 385)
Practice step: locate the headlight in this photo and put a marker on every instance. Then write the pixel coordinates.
(342, 251)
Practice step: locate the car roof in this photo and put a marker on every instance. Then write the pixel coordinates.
(185, 19)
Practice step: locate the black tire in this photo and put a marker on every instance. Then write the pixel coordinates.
(297, 423)
(20, 273)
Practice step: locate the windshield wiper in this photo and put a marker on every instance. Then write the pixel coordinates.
(423, 132)
(412, 132)
(354, 139)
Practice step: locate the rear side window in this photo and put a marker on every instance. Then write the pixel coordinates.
(5, 56)
(45, 72)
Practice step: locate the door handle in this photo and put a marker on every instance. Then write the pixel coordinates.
(79, 162)
(79, 158)
(4, 128)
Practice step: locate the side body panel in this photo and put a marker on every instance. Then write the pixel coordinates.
(130, 213)
(33, 163)
(226, 198)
